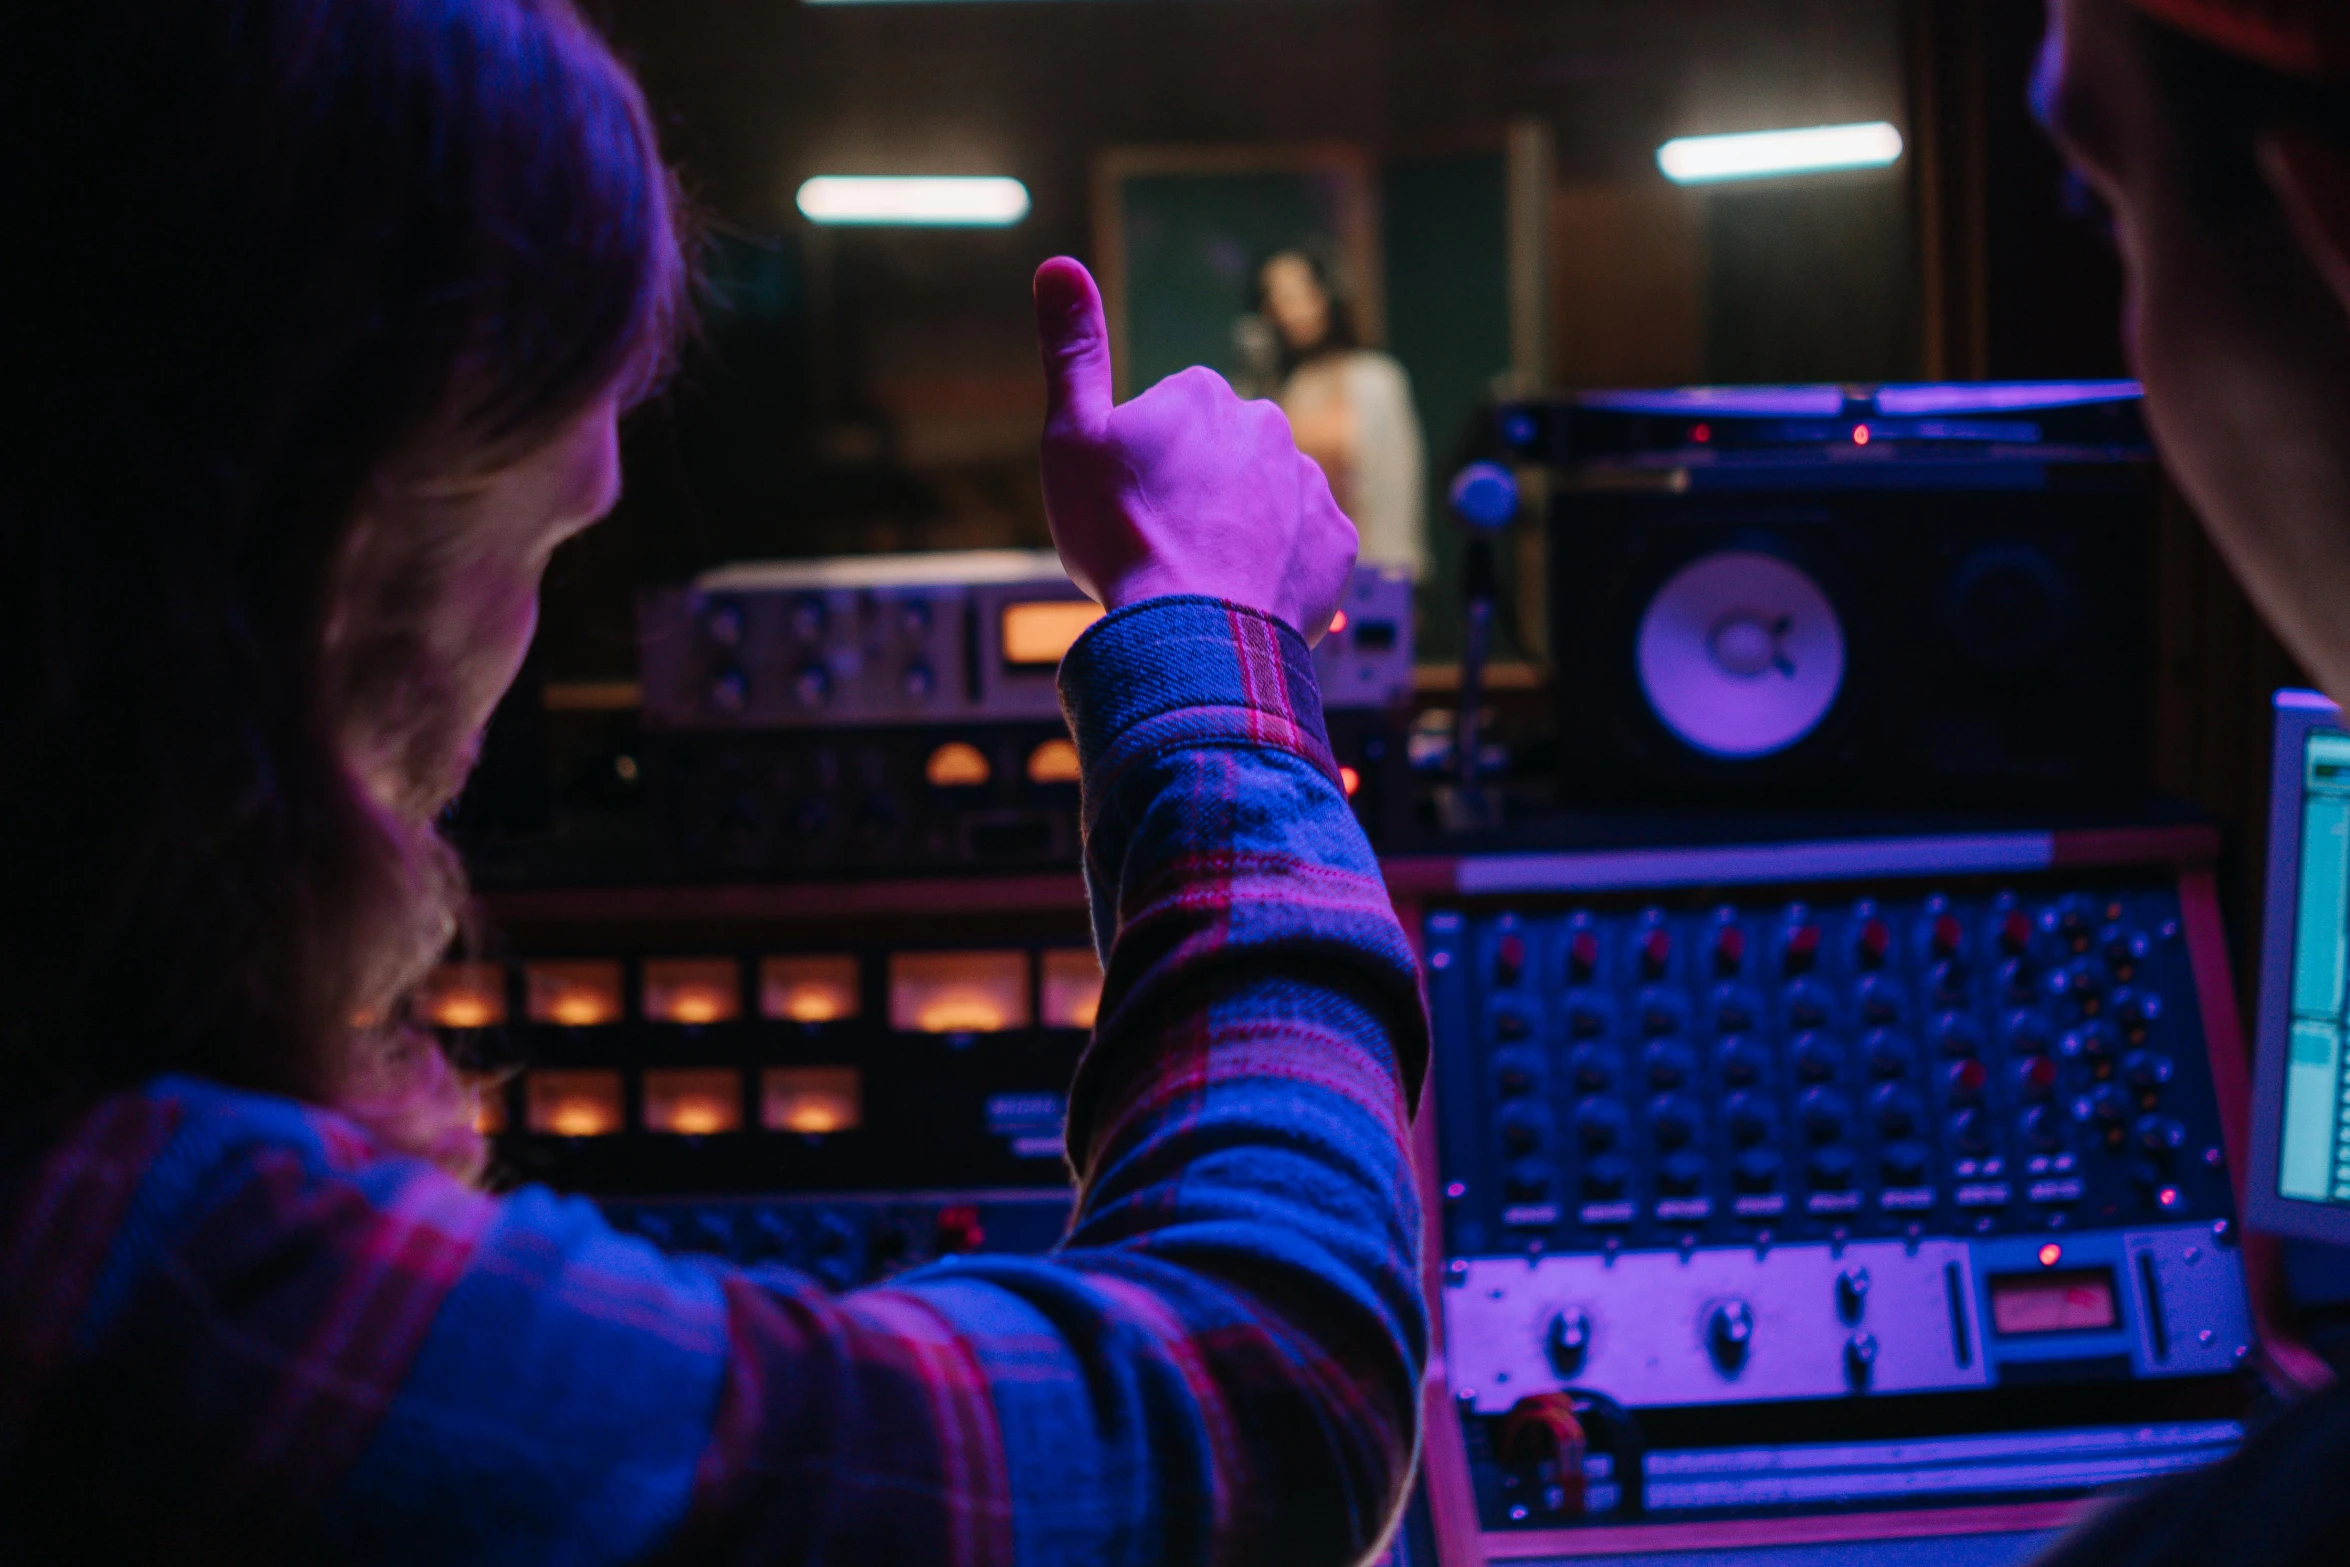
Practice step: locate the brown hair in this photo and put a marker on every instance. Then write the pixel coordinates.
(265, 252)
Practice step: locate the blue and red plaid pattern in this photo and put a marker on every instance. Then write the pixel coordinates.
(231, 1330)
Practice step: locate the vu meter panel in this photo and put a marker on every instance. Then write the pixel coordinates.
(2314, 1165)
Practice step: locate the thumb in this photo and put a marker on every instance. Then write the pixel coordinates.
(1076, 344)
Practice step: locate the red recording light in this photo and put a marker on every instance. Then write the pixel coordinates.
(1701, 433)
(2051, 1254)
(1860, 435)
(2168, 1197)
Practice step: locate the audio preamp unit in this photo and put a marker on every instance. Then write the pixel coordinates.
(899, 713)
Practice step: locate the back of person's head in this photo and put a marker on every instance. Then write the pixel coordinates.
(268, 251)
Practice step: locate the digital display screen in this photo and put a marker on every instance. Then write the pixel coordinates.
(572, 1104)
(2313, 1161)
(574, 994)
(2064, 1300)
(692, 991)
(959, 992)
(808, 990)
(693, 1101)
(1072, 988)
(463, 995)
(1036, 634)
(812, 1100)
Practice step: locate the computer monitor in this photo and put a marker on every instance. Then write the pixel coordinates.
(2299, 1183)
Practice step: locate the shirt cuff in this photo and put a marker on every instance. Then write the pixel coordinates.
(1190, 670)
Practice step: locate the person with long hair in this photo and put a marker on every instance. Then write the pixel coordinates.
(2217, 135)
(326, 316)
(1350, 407)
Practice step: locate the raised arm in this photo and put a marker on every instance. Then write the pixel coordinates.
(231, 1330)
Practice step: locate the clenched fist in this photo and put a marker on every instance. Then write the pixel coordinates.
(1185, 489)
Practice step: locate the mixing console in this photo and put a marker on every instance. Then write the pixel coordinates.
(1825, 1144)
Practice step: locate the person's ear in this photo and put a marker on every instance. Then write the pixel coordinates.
(2310, 173)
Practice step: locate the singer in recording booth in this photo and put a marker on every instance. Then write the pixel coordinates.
(1351, 409)
(2217, 134)
(330, 309)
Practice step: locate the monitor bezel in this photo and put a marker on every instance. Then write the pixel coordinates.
(2299, 714)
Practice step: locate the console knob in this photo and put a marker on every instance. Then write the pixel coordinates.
(1898, 1112)
(2146, 1071)
(1600, 1124)
(914, 618)
(1662, 1012)
(2019, 983)
(1656, 952)
(1515, 1075)
(2041, 1128)
(729, 691)
(1947, 936)
(723, 624)
(2035, 1077)
(1527, 1181)
(1568, 1341)
(807, 618)
(1593, 1068)
(811, 686)
(1729, 950)
(1750, 1118)
(1903, 1163)
(2160, 1136)
(2112, 1108)
(1509, 959)
(2137, 1010)
(2080, 985)
(1852, 1292)
(1668, 1064)
(1826, 1114)
(1964, 1081)
(1889, 1054)
(1860, 1359)
(1509, 1024)
(2075, 918)
(1673, 1119)
(1948, 979)
(1729, 1333)
(1605, 1177)
(1818, 1058)
(1681, 1174)
(2029, 1033)
(1756, 1170)
(1830, 1169)
(1586, 1018)
(2097, 1044)
(1742, 1062)
(2015, 933)
(1872, 944)
(1735, 1010)
(919, 682)
(1808, 1004)
(1582, 956)
(2125, 950)
(1521, 1132)
(1880, 1001)
(1970, 1133)
(1956, 1035)
(1802, 950)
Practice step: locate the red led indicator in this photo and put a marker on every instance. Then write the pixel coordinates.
(1350, 780)
(2168, 1197)
(1860, 435)
(2051, 1254)
(1701, 433)
(1338, 623)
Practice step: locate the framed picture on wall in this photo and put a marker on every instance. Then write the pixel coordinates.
(1180, 233)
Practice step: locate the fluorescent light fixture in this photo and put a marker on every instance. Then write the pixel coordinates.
(1755, 155)
(929, 200)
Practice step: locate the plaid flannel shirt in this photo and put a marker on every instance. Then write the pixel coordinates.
(232, 1329)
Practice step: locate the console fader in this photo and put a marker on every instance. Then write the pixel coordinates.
(1826, 1144)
